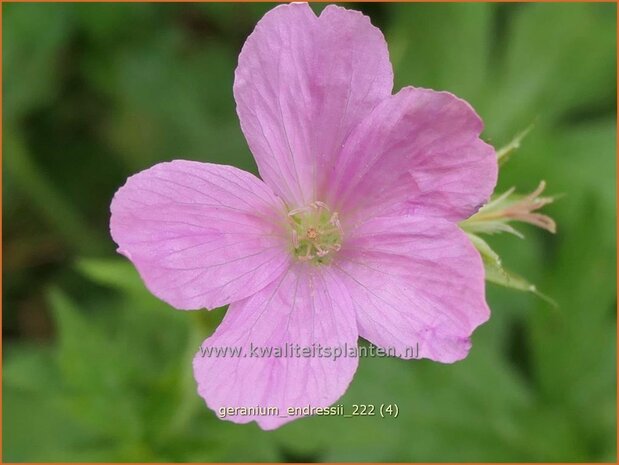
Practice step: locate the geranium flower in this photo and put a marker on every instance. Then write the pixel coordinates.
(352, 230)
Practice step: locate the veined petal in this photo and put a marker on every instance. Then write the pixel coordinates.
(200, 235)
(302, 84)
(418, 152)
(417, 285)
(308, 307)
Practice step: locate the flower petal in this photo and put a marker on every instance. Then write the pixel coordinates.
(302, 84)
(418, 152)
(417, 284)
(201, 235)
(307, 307)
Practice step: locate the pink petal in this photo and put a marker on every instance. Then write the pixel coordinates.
(201, 235)
(415, 282)
(418, 152)
(308, 307)
(302, 84)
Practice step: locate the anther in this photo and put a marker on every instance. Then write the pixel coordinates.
(316, 233)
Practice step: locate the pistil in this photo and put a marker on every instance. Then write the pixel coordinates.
(316, 233)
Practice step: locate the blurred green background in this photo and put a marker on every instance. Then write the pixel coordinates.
(96, 369)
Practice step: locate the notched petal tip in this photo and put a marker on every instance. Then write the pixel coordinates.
(300, 75)
(123, 252)
(449, 99)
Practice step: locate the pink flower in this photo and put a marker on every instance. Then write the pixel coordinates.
(352, 232)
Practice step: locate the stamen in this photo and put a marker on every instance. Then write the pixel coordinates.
(316, 233)
(295, 239)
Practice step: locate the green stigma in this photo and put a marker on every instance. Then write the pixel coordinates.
(316, 233)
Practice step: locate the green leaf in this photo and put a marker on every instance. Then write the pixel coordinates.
(503, 154)
(497, 274)
(442, 46)
(544, 43)
(113, 272)
(33, 37)
(53, 207)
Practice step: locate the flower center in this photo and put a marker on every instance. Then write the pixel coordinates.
(316, 233)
